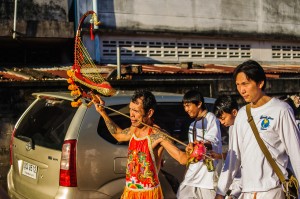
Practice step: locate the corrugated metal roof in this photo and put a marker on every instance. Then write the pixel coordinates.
(59, 73)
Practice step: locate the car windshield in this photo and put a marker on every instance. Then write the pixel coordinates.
(46, 123)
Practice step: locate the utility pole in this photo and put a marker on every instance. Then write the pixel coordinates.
(15, 20)
(97, 38)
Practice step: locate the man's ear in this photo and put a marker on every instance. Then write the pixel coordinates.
(199, 105)
(234, 112)
(150, 113)
(261, 84)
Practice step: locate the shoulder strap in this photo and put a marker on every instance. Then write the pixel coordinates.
(203, 126)
(194, 131)
(194, 127)
(263, 146)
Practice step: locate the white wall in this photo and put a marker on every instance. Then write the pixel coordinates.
(200, 16)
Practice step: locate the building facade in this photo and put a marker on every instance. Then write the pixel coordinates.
(219, 31)
(156, 31)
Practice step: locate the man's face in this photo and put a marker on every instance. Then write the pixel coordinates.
(248, 89)
(137, 113)
(192, 109)
(227, 119)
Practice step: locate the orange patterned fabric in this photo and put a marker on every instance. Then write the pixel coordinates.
(141, 173)
(155, 193)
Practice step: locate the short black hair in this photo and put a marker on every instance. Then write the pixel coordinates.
(149, 101)
(225, 104)
(253, 71)
(195, 97)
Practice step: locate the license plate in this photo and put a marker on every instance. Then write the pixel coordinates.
(29, 170)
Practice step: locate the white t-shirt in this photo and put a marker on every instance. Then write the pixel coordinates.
(197, 174)
(277, 127)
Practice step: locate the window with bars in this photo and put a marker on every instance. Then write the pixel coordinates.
(187, 49)
(285, 52)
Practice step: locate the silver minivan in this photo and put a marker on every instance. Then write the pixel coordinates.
(61, 152)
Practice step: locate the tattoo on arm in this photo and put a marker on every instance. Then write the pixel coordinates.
(125, 131)
(111, 126)
(159, 134)
(114, 129)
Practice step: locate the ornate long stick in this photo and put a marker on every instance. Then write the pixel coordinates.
(167, 135)
(123, 114)
(162, 131)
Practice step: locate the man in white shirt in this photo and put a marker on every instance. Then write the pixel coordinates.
(277, 127)
(199, 182)
(226, 109)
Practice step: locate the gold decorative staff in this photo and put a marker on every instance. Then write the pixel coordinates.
(162, 131)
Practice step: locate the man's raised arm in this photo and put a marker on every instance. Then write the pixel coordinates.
(119, 134)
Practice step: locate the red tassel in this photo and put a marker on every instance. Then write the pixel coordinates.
(91, 32)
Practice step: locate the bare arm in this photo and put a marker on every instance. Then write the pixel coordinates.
(176, 153)
(118, 133)
(160, 138)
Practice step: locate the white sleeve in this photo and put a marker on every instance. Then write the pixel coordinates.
(236, 186)
(290, 136)
(231, 165)
(213, 133)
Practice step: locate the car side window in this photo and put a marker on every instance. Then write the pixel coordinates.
(120, 120)
(46, 123)
(173, 118)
